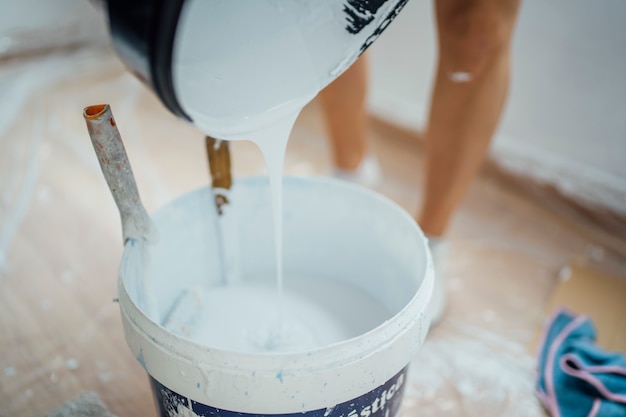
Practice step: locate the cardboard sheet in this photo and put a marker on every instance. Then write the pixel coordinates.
(599, 295)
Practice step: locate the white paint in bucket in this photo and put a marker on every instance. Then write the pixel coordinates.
(309, 314)
(333, 231)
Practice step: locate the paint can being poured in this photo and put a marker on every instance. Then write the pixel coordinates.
(362, 255)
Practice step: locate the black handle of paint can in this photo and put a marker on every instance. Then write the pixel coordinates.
(143, 34)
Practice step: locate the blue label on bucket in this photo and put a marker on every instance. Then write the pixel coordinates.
(383, 401)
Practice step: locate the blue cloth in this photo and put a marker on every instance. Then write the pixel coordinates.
(576, 377)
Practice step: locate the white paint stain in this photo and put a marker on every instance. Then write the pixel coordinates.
(67, 276)
(460, 77)
(71, 364)
(565, 273)
(175, 406)
(469, 372)
(10, 371)
(105, 376)
(182, 411)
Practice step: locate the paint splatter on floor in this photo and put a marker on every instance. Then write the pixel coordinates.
(471, 373)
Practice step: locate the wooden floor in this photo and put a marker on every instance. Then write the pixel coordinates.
(60, 246)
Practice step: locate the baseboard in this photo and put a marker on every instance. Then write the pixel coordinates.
(592, 202)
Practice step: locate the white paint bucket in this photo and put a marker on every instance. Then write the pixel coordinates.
(331, 229)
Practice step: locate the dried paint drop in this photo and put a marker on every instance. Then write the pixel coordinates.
(105, 377)
(565, 273)
(71, 364)
(596, 252)
(460, 77)
(67, 276)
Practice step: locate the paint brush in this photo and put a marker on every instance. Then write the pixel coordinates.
(137, 227)
(218, 154)
(106, 141)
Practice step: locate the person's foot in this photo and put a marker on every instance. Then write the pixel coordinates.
(368, 173)
(438, 249)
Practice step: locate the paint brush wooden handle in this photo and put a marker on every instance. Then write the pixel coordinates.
(107, 143)
(218, 152)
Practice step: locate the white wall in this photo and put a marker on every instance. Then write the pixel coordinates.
(28, 25)
(565, 123)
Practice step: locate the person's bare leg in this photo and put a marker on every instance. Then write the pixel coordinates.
(343, 108)
(468, 98)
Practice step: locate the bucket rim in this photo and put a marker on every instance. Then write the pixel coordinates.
(341, 353)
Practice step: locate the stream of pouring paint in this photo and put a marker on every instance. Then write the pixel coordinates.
(273, 144)
(263, 330)
(248, 80)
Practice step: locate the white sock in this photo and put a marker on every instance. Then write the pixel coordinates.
(438, 249)
(368, 173)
